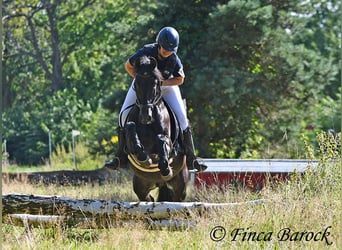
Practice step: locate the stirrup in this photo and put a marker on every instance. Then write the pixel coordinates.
(144, 159)
(200, 167)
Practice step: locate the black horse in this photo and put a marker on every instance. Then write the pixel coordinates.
(153, 139)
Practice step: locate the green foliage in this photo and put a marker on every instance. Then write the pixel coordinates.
(64, 158)
(258, 73)
(227, 84)
(27, 126)
(102, 134)
(252, 68)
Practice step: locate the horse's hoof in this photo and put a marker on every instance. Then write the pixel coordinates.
(142, 156)
(117, 162)
(167, 174)
(146, 162)
(144, 159)
(114, 164)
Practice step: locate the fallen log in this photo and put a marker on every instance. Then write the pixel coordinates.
(101, 209)
(48, 221)
(64, 177)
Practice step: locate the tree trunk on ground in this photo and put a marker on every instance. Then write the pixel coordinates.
(47, 211)
(58, 205)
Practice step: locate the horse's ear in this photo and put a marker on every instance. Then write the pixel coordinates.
(153, 62)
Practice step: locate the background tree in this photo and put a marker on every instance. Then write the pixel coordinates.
(249, 68)
(260, 75)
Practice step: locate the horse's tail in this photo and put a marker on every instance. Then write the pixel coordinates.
(165, 194)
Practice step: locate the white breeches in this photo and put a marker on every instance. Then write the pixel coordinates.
(171, 95)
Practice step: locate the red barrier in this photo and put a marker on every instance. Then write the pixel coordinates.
(251, 174)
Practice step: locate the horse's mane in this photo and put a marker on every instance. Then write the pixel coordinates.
(147, 66)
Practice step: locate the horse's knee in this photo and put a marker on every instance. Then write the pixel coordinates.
(133, 141)
(162, 138)
(130, 126)
(163, 143)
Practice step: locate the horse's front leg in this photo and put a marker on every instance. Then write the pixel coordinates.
(164, 149)
(142, 188)
(134, 146)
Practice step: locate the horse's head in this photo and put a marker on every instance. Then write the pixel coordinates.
(147, 87)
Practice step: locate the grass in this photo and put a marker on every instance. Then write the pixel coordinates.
(309, 203)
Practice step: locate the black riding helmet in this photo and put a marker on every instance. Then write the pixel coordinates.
(168, 38)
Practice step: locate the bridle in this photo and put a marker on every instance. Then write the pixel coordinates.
(157, 97)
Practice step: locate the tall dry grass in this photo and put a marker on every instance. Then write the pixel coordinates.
(309, 203)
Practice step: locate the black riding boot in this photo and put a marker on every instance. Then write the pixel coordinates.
(191, 160)
(121, 157)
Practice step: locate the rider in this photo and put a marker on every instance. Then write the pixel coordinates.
(169, 64)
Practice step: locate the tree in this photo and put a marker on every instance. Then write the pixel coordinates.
(256, 71)
(245, 76)
(39, 37)
(61, 59)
